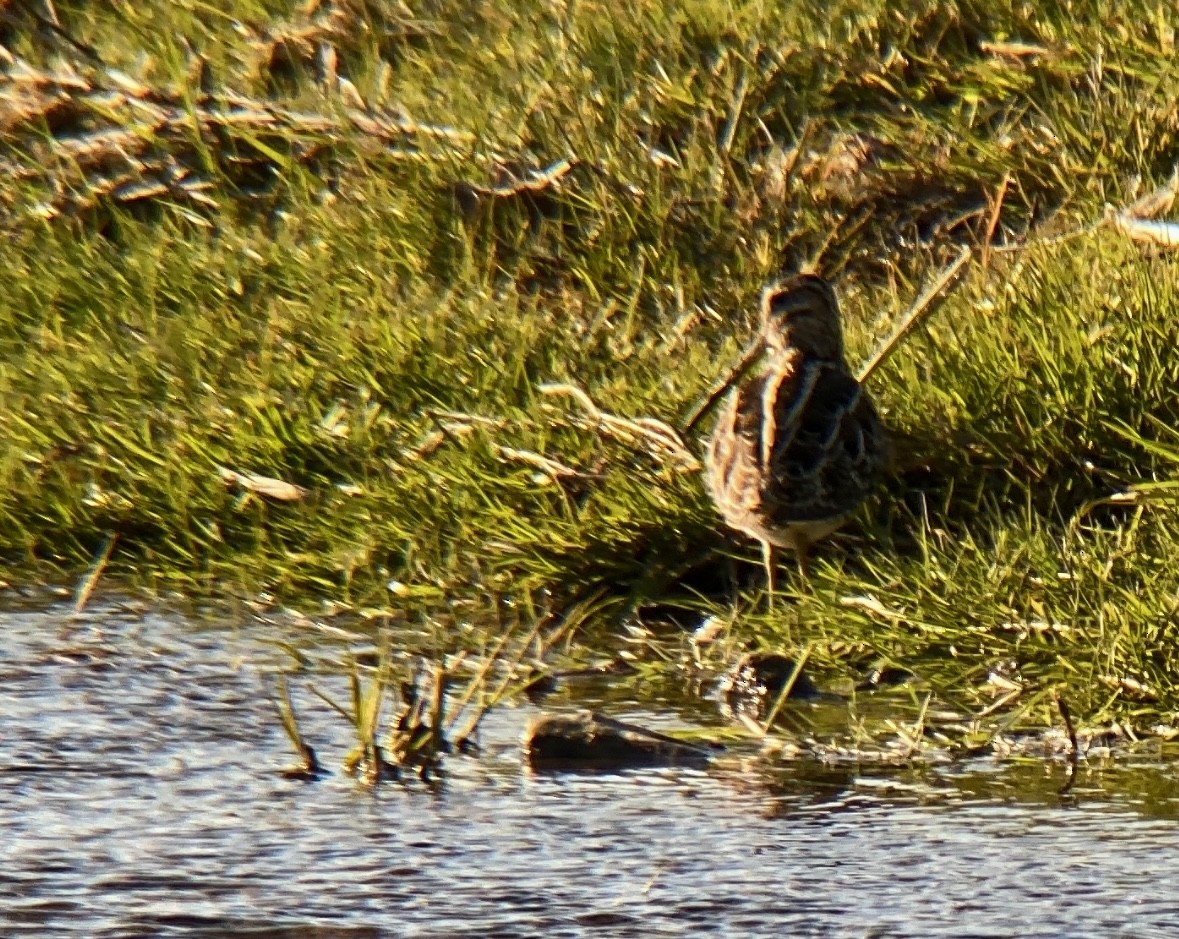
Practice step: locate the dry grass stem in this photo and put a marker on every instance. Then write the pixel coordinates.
(662, 441)
(277, 489)
(922, 307)
(88, 583)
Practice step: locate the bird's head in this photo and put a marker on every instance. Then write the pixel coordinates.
(802, 313)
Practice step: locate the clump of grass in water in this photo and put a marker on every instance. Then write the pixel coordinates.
(437, 709)
(418, 737)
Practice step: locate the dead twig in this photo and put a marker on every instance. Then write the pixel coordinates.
(663, 443)
(1012, 50)
(535, 181)
(262, 485)
(550, 467)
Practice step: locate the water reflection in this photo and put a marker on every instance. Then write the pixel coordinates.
(138, 798)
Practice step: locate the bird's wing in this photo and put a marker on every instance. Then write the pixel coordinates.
(824, 444)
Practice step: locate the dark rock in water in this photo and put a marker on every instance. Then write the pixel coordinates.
(586, 740)
(757, 680)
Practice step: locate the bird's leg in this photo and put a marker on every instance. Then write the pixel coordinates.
(767, 556)
(802, 552)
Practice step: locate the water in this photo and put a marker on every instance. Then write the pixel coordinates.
(138, 798)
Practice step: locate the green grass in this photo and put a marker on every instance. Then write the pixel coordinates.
(360, 316)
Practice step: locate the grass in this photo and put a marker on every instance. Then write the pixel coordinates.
(260, 275)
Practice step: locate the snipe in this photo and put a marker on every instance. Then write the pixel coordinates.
(797, 447)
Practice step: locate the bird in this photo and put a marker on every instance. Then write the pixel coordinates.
(798, 446)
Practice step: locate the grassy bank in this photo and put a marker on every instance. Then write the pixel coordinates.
(346, 246)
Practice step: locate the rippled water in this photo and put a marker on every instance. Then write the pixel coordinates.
(138, 798)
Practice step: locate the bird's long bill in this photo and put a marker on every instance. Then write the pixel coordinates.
(705, 406)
